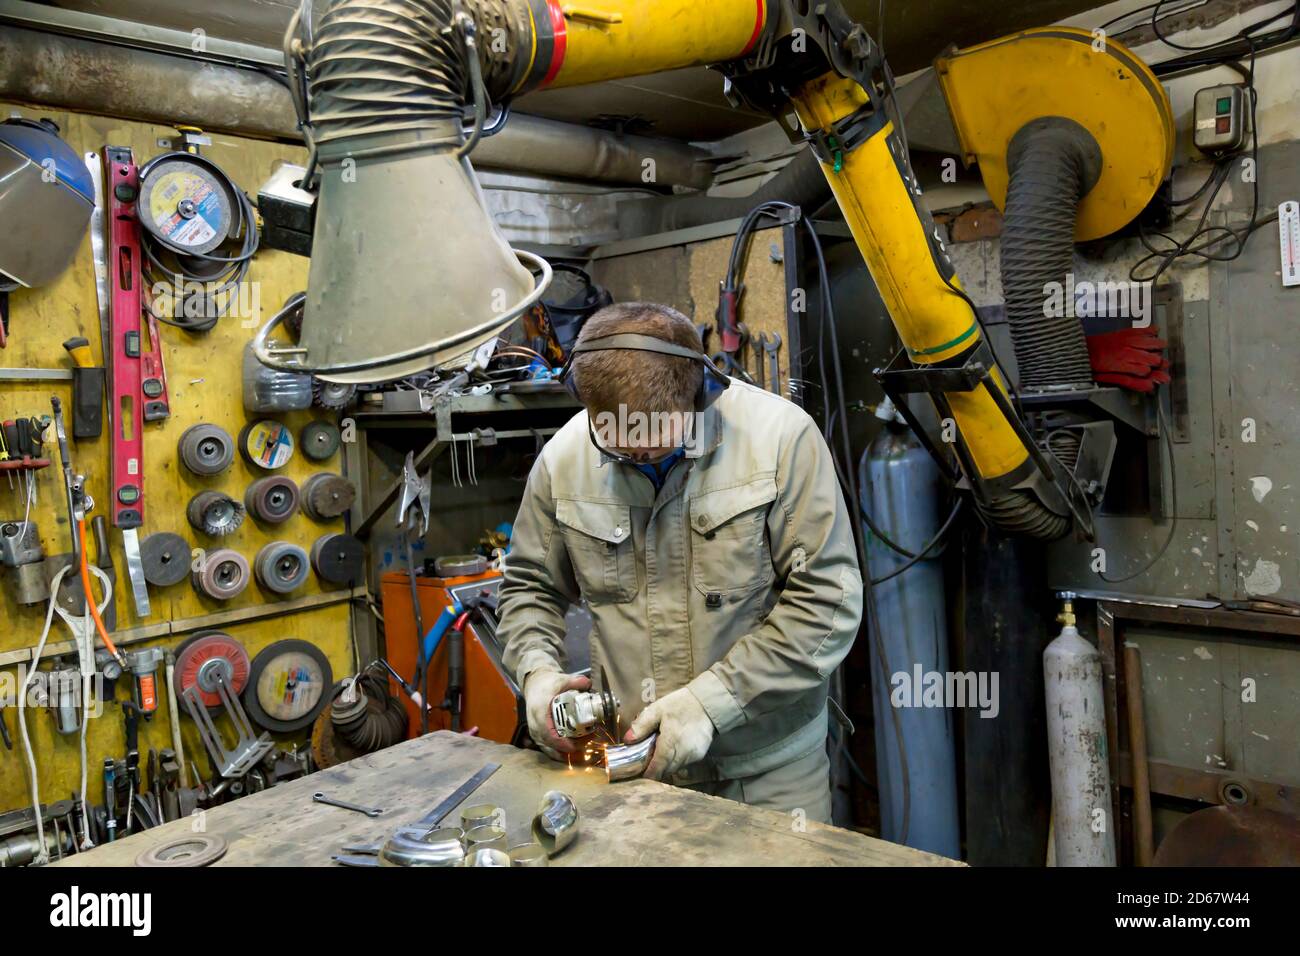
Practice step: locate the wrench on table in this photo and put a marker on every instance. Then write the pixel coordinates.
(321, 797)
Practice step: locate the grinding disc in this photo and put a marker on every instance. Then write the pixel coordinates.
(223, 575)
(281, 567)
(338, 558)
(288, 685)
(319, 440)
(326, 496)
(206, 449)
(332, 394)
(166, 558)
(193, 849)
(266, 444)
(214, 513)
(207, 659)
(185, 204)
(272, 499)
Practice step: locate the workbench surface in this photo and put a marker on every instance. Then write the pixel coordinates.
(631, 823)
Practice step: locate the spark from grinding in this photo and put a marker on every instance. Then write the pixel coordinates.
(1260, 486)
(1266, 578)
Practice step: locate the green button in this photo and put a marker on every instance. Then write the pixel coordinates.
(1223, 105)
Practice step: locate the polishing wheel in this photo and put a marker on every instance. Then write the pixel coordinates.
(222, 575)
(281, 567)
(272, 499)
(338, 558)
(207, 660)
(166, 558)
(326, 496)
(206, 449)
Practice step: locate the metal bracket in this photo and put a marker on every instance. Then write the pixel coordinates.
(247, 752)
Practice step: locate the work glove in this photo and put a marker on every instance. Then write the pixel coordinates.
(1129, 358)
(685, 732)
(540, 688)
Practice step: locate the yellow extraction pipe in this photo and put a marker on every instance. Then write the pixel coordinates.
(934, 322)
(593, 40)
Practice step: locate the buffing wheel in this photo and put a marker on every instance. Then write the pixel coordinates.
(206, 449)
(208, 659)
(319, 440)
(281, 567)
(326, 496)
(222, 575)
(272, 499)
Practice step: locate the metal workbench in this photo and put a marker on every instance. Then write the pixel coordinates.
(632, 823)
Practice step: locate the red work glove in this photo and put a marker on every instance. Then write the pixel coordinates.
(1129, 358)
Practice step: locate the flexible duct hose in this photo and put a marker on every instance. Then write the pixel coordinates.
(386, 66)
(801, 183)
(1053, 163)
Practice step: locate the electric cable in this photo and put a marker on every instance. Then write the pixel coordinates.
(1173, 504)
(206, 278)
(938, 536)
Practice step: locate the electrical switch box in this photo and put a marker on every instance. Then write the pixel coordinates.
(1220, 118)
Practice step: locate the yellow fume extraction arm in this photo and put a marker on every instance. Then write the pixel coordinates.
(386, 81)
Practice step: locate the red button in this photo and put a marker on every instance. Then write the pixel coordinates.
(1223, 124)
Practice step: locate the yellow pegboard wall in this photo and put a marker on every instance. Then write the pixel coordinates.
(204, 385)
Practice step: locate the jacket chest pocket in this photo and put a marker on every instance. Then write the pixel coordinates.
(598, 537)
(730, 552)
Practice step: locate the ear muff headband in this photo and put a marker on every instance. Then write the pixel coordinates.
(712, 386)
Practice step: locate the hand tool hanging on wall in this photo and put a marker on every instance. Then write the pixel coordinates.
(126, 405)
(87, 390)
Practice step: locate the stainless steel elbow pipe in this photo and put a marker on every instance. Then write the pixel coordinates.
(629, 760)
(556, 823)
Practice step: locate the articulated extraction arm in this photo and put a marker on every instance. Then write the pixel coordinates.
(785, 57)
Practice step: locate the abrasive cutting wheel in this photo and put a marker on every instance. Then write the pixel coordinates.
(222, 575)
(288, 685)
(326, 496)
(338, 558)
(206, 449)
(208, 659)
(281, 567)
(214, 513)
(266, 444)
(319, 440)
(272, 499)
(166, 558)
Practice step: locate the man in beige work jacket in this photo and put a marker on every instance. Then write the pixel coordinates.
(717, 559)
